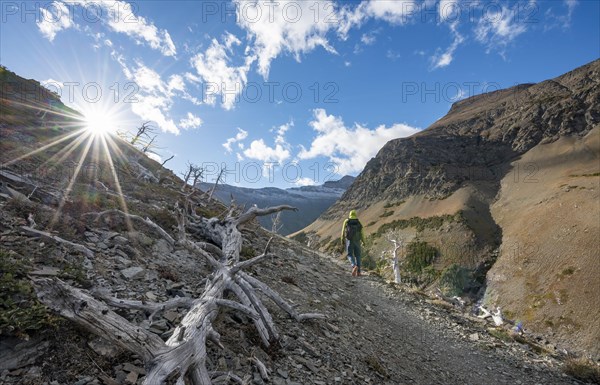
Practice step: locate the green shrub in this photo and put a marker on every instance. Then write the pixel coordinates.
(419, 255)
(387, 214)
(420, 223)
(454, 280)
(301, 238)
(247, 252)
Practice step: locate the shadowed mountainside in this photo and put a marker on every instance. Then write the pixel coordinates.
(508, 179)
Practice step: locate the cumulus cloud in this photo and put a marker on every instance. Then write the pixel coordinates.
(349, 148)
(259, 150)
(215, 68)
(190, 121)
(241, 135)
(278, 153)
(154, 98)
(285, 26)
(53, 19)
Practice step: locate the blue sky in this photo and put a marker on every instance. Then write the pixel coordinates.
(288, 93)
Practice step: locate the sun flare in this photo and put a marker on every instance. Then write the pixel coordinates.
(99, 122)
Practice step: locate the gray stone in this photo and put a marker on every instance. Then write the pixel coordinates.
(132, 272)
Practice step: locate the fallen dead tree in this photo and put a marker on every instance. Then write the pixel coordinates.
(182, 358)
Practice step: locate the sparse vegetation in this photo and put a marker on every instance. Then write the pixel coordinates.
(585, 175)
(387, 214)
(376, 365)
(583, 369)
(420, 223)
(247, 252)
(301, 237)
(20, 312)
(389, 205)
(568, 271)
(454, 279)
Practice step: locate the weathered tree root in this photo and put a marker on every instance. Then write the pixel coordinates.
(183, 355)
(51, 237)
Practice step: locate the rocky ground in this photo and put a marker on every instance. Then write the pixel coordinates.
(375, 333)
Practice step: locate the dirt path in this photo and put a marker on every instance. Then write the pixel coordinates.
(382, 335)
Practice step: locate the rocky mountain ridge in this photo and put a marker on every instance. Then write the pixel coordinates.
(312, 201)
(481, 189)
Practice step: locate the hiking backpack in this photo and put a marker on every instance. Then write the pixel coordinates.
(353, 228)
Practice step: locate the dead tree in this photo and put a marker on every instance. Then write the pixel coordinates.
(212, 191)
(395, 261)
(193, 173)
(147, 147)
(183, 356)
(276, 222)
(165, 161)
(143, 131)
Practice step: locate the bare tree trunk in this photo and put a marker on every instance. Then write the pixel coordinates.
(216, 183)
(168, 159)
(395, 261)
(183, 355)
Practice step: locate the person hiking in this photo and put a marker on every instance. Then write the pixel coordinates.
(352, 236)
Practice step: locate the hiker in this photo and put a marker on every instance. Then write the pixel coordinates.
(352, 236)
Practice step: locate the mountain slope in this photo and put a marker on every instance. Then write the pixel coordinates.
(483, 185)
(374, 333)
(311, 201)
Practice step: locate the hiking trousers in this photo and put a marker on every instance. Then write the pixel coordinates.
(353, 250)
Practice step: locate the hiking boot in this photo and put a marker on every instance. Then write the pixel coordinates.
(355, 271)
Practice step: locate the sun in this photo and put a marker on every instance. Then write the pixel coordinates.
(100, 122)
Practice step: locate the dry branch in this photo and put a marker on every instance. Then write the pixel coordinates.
(94, 316)
(148, 222)
(182, 358)
(82, 249)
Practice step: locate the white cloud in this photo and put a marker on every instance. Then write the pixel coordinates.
(241, 135)
(368, 38)
(280, 133)
(396, 12)
(154, 99)
(154, 156)
(53, 19)
(562, 20)
(498, 28)
(120, 17)
(260, 151)
(277, 154)
(305, 182)
(214, 67)
(190, 121)
(349, 148)
(449, 10)
(441, 60)
(392, 55)
(285, 26)
(154, 108)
